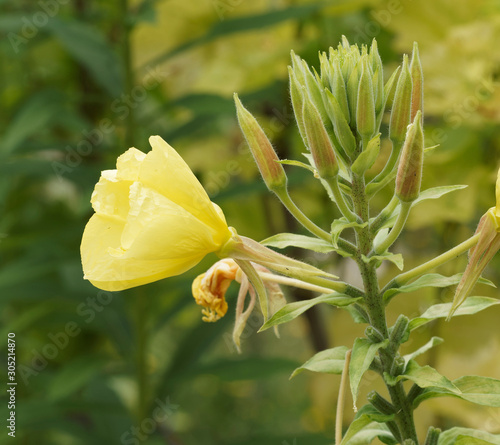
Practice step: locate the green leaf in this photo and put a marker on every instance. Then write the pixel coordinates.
(330, 361)
(87, 45)
(476, 389)
(297, 164)
(395, 258)
(434, 341)
(437, 192)
(340, 225)
(283, 240)
(292, 310)
(470, 306)
(367, 158)
(423, 376)
(432, 193)
(363, 353)
(429, 280)
(454, 435)
(365, 417)
(469, 440)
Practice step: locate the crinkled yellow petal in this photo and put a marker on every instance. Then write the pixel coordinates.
(166, 172)
(111, 273)
(129, 163)
(157, 228)
(111, 196)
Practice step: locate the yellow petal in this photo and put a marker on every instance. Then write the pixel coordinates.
(110, 273)
(110, 196)
(129, 163)
(166, 172)
(157, 228)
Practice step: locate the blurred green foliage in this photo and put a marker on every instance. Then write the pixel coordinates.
(82, 81)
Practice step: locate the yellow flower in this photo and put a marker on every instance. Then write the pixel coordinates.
(480, 255)
(152, 220)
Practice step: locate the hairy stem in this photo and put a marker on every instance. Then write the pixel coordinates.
(376, 311)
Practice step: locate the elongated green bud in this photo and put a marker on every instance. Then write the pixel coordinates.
(339, 91)
(315, 90)
(409, 176)
(365, 109)
(352, 90)
(398, 366)
(378, 75)
(374, 335)
(271, 170)
(381, 404)
(340, 125)
(417, 77)
(432, 436)
(319, 142)
(400, 114)
(399, 332)
(297, 96)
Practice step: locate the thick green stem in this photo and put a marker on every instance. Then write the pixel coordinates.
(376, 311)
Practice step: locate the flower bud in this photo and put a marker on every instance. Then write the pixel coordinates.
(297, 97)
(315, 90)
(378, 75)
(271, 170)
(409, 176)
(365, 109)
(352, 91)
(417, 77)
(340, 125)
(319, 142)
(432, 436)
(374, 335)
(382, 405)
(339, 91)
(400, 114)
(399, 333)
(398, 366)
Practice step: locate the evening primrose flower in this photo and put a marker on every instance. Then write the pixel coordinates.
(152, 220)
(481, 254)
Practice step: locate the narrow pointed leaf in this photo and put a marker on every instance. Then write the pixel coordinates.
(330, 361)
(363, 353)
(470, 306)
(291, 311)
(434, 341)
